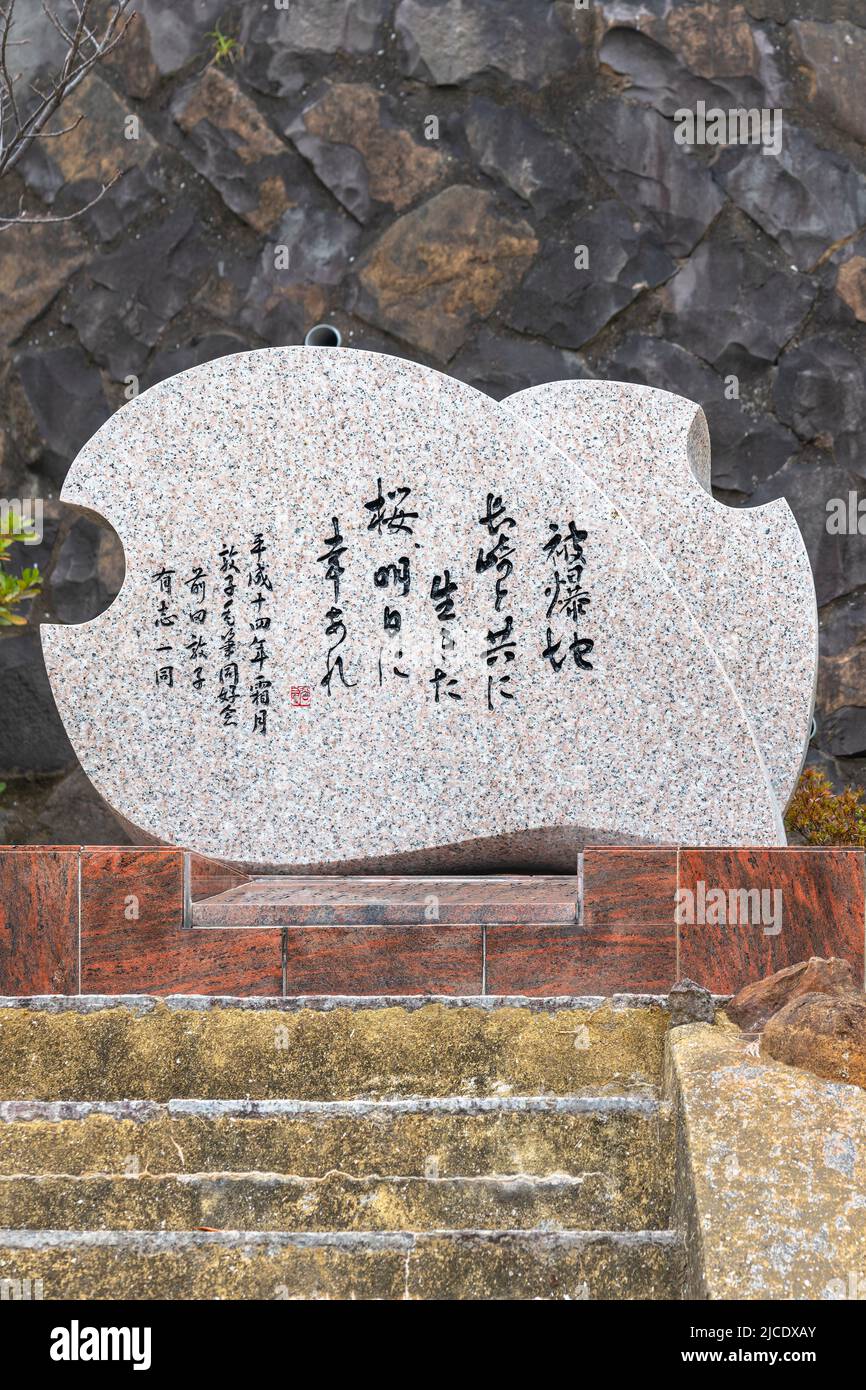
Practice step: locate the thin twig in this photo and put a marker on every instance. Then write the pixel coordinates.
(53, 134)
(22, 220)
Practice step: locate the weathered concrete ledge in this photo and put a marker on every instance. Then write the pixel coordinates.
(323, 1003)
(274, 1201)
(24, 1111)
(609, 1160)
(770, 1172)
(165, 1051)
(573, 1265)
(622, 1146)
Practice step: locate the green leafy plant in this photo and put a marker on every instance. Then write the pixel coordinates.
(824, 817)
(223, 46)
(16, 588)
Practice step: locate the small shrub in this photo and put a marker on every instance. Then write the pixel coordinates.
(224, 46)
(15, 588)
(824, 817)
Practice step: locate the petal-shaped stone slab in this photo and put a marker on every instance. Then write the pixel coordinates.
(744, 572)
(370, 619)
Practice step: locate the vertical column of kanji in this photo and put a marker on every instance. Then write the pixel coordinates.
(501, 647)
(196, 647)
(165, 621)
(390, 520)
(229, 674)
(261, 589)
(568, 599)
(442, 591)
(335, 627)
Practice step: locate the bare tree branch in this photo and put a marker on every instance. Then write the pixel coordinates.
(22, 220)
(7, 84)
(85, 47)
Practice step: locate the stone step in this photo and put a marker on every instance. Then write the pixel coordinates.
(105, 1048)
(452, 1136)
(513, 1265)
(300, 901)
(262, 1201)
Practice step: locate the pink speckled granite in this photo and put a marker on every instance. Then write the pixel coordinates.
(744, 572)
(647, 742)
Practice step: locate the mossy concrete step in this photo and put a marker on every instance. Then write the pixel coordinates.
(141, 1048)
(261, 1201)
(395, 1265)
(627, 1137)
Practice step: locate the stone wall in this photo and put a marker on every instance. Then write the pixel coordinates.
(430, 167)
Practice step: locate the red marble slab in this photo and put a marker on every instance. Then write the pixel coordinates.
(324, 901)
(384, 960)
(629, 885)
(539, 960)
(39, 921)
(823, 907)
(244, 964)
(133, 940)
(131, 911)
(209, 877)
(131, 890)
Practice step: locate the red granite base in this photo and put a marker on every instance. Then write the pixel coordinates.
(96, 920)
